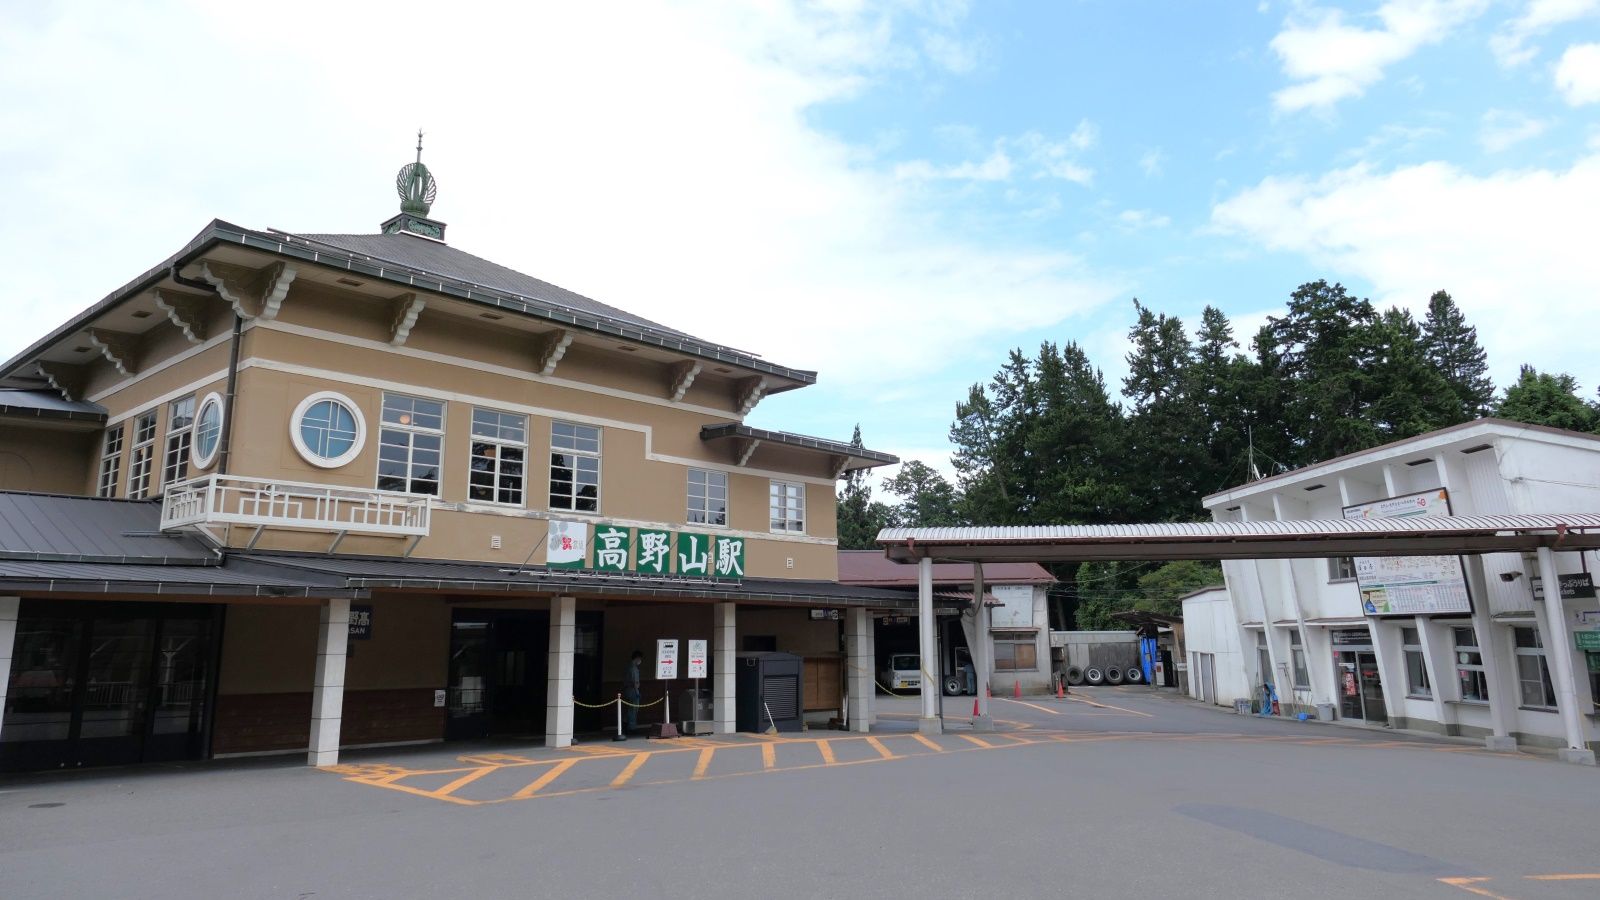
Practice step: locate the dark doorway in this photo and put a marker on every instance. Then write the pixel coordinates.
(95, 684)
(499, 671)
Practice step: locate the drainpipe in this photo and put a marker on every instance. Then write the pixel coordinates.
(225, 442)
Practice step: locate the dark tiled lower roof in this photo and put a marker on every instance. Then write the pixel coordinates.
(88, 529)
(48, 405)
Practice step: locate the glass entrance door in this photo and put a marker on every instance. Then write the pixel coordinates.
(497, 684)
(96, 684)
(1360, 686)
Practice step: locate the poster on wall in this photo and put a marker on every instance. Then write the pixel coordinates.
(1409, 585)
(1016, 606)
(567, 545)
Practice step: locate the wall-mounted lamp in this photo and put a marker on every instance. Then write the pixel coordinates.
(1510, 576)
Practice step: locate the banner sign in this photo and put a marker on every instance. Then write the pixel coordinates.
(1575, 586)
(694, 554)
(613, 548)
(666, 659)
(567, 547)
(697, 659)
(1409, 585)
(654, 556)
(730, 558)
(1587, 640)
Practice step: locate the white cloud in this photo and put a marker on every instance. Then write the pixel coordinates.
(950, 53)
(1040, 156)
(995, 167)
(668, 167)
(1501, 129)
(1513, 248)
(1150, 163)
(1578, 74)
(1136, 219)
(1330, 60)
(1510, 43)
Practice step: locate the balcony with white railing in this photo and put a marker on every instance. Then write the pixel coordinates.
(261, 504)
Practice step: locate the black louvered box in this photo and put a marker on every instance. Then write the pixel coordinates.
(769, 691)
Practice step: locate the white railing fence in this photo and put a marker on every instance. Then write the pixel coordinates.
(241, 500)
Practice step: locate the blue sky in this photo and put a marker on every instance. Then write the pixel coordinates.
(893, 193)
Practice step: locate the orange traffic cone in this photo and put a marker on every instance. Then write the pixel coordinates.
(1061, 693)
(1016, 689)
(974, 706)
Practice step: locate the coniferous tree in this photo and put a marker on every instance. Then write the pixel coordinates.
(859, 516)
(1166, 434)
(1540, 398)
(1410, 395)
(1325, 347)
(1452, 347)
(927, 499)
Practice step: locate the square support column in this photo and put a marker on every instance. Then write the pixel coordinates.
(1559, 659)
(981, 650)
(724, 637)
(9, 607)
(558, 696)
(327, 691)
(859, 653)
(928, 651)
(1497, 666)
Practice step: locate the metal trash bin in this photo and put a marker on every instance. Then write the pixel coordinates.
(695, 709)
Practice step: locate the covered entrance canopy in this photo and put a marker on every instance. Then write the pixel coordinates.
(1276, 539)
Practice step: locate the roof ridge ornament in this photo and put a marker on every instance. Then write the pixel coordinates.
(417, 189)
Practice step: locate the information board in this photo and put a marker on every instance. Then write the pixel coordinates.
(697, 659)
(1016, 606)
(1409, 585)
(666, 659)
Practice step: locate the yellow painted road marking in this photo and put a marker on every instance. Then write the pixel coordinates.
(1574, 876)
(550, 775)
(466, 779)
(630, 769)
(1468, 884)
(923, 739)
(878, 746)
(1053, 712)
(494, 759)
(979, 741)
(769, 756)
(827, 752)
(703, 763)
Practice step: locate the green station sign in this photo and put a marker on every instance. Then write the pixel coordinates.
(645, 551)
(1587, 640)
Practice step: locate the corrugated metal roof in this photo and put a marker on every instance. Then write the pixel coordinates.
(1413, 536)
(871, 567)
(48, 404)
(89, 529)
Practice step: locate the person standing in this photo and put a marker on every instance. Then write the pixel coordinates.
(630, 688)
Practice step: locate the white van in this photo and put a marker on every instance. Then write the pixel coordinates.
(902, 670)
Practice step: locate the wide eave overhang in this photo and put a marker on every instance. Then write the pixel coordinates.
(225, 234)
(1432, 536)
(846, 457)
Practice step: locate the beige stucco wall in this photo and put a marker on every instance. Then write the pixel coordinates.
(47, 460)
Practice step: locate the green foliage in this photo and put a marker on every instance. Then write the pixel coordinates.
(927, 499)
(1451, 346)
(1539, 398)
(1107, 588)
(859, 516)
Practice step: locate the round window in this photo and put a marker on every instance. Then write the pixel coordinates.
(327, 430)
(207, 432)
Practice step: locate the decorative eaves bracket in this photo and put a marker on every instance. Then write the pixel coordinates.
(406, 309)
(746, 450)
(552, 347)
(187, 312)
(748, 393)
(253, 293)
(119, 348)
(838, 464)
(66, 378)
(683, 375)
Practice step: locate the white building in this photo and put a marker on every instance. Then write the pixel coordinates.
(1215, 646)
(1488, 664)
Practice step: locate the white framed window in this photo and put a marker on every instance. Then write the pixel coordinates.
(574, 467)
(141, 458)
(1297, 652)
(207, 432)
(110, 462)
(1469, 666)
(1015, 651)
(1417, 684)
(788, 506)
(1533, 673)
(180, 437)
(327, 430)
(411, 444)
(708, 498)
(1341, 568)
(499, 457)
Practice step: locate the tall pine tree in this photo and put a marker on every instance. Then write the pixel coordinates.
(1452, 347)
(860, 518)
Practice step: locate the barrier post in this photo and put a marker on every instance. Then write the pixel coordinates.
(619, 735)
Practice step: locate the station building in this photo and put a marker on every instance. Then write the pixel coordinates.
(1467, 650)
(297, 492)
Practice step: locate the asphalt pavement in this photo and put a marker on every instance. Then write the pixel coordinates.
(1108, 793)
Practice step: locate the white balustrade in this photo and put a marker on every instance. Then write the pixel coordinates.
(241, 500)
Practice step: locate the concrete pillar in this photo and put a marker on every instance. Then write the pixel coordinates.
(327, 691)
(723, 675)
(558, 696)
(1558, 656)
(928, 650)
(8, 639)
(1502, 703)
(858, 642)
(982, 650)
(1437, 660)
